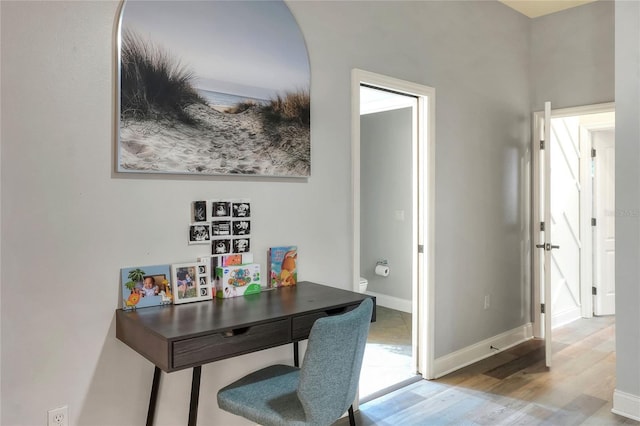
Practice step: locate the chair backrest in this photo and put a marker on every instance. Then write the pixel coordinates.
(331, 366)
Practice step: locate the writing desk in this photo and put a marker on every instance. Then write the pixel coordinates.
(176, 337)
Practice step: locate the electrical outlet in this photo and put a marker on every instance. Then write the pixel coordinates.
(487, 301)
(58, 417)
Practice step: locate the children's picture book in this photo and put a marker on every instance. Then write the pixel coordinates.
(282, 264)
(145, 286)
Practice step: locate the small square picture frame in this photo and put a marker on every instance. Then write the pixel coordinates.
(241, 209)
(191, 282)
(241, 245)
(221, 247)
(199, 211)
(220, 228)
(199, 233)
(220, 209)
(241, 227)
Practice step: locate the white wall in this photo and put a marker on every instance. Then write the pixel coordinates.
(627, 95)
(68, 224)
(572, 56)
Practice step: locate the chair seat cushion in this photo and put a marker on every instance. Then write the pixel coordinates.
(267, 397)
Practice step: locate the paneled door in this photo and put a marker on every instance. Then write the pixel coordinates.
(604, 207)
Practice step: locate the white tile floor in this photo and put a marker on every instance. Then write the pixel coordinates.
(387, 357)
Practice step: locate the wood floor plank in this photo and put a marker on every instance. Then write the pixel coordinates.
(514, 387)
(576, 412)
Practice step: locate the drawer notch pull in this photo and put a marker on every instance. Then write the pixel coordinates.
(235, 332)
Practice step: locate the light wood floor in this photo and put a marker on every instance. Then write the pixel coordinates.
(515, 388)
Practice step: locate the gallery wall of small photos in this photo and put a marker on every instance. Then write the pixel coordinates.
(224, 225)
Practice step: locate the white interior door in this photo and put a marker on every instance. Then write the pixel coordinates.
(542, 237)
(604, 235)
(547, 300)
(564, 223)
(542, 232)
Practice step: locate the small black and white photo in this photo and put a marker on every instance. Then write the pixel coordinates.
(241, 227)
(241, 209)
(220, 209)
(241, 245)
(219, 247)
(199, 211)
(220, 228)
(199, 234)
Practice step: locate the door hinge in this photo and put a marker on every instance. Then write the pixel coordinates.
(542, 226)
(420, 248)
(593, 221)
(593, 153)
(541, 144)
(594, 290)
(542, 308)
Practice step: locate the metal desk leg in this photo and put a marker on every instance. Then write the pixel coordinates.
(195, 396)
(154, 396)
(296, 355)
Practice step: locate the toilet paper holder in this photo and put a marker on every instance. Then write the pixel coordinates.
(382, 268)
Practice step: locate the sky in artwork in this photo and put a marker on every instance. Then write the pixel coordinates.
(249, 48)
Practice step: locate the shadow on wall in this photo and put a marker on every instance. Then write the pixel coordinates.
(115, 381)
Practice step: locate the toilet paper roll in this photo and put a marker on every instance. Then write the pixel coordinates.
(382, 270)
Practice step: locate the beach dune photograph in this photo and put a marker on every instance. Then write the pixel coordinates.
(213, 88)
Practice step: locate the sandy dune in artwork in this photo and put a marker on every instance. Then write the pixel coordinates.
(219, 143)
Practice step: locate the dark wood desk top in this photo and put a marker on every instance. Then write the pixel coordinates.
(162, 333)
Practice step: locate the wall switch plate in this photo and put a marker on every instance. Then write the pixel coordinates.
(58, 416)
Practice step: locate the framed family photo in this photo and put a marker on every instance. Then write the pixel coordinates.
(204, 88)
(145, 286)
(191, 282)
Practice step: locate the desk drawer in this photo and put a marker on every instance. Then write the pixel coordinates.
(301, 324)
(200, 350)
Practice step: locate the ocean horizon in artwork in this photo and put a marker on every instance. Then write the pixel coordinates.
(221, 99)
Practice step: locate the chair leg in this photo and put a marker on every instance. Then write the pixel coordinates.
(352, 418)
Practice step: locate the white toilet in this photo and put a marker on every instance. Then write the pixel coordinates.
(363, 284)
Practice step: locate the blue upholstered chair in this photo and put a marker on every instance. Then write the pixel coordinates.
(321, 390)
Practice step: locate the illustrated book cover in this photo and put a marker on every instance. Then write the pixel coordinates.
(282, 263)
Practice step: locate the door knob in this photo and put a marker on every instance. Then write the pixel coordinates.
(547, 246)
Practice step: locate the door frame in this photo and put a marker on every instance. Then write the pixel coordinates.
(423, 274)
(586, 253)
(587, 130)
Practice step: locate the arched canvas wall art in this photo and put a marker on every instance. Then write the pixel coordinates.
(212, 88)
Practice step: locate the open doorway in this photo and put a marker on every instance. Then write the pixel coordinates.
(392, 185)
(388, 126)
(574, 217)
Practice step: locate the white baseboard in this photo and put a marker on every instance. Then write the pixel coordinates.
(392, 302)
(626, 404)
(563, 318)
(481, 350)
